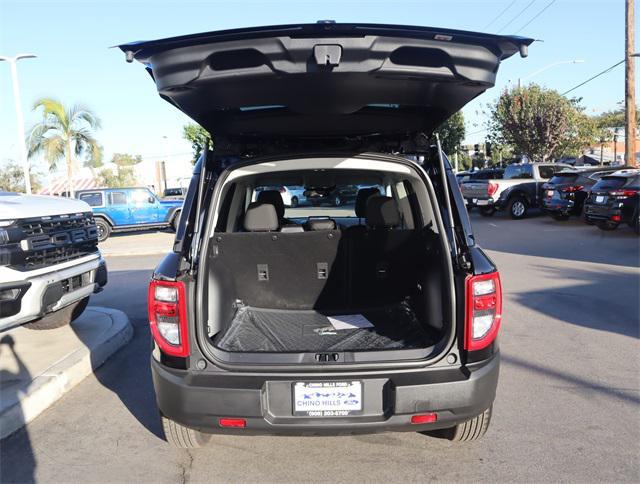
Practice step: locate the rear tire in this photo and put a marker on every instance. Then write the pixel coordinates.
(60, 318)
(472, 429)
(487, 211)
(104, 229)
(182, 437)
(517, 208)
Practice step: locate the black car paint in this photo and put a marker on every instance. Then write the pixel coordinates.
(626, 207)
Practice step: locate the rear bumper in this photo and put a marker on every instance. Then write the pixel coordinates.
(558, 206)
(599, 213)
(199, 399)
(479, 202)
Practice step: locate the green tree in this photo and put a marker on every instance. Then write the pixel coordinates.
(613, 119)
(452, 133)
(64, 134)
(125, 160)
(12, 178)
(199, 139)
(539, 123)
(121, 178)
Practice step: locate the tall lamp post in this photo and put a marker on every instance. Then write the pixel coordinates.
(13, 61)
(547, 67)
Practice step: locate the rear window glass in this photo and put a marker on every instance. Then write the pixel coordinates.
(610, 183)
(94, 199)
(564, 178)
(548, 171)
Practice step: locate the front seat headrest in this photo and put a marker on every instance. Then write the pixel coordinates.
(382, 212)
(274, 198)
(261, 217)
(361, 200)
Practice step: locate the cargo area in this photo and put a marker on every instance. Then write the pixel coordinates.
(366, 276)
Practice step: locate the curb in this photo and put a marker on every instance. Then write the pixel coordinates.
(65, 374)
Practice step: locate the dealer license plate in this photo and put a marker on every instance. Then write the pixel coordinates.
(327, 399)
(600, 199)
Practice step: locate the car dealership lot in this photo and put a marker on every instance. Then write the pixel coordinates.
(567, 406)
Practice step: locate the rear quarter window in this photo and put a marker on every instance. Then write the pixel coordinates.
(117, 198)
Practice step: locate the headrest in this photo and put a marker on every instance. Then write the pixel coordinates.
(361, 200)
(382, 212)
(320, 224)
(261, 217)
(274, 198)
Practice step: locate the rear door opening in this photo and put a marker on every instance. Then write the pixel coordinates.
(368, 279)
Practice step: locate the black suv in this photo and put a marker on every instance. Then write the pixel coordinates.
(614, 200)
(383, 316)
(566, 192)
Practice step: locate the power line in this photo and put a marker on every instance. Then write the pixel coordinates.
(592, 78)
(536, 15)
(499, 15)
(517, 15)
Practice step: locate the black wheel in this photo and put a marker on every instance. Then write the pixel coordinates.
(104, 229)
(294, 202)
(607, 226)
(175, 221)
(337, 201)
(487, 211)
(517, 208)
(182, 437)
(468, 431)
(61, 317)
(560, 217)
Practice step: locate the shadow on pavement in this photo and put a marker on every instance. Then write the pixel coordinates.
(606, 301)
(17, 461)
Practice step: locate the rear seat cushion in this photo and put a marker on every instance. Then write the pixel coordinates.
(261, 217)
(382, 212)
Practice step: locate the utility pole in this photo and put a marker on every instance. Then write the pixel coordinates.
(630, 89)
(16, 95)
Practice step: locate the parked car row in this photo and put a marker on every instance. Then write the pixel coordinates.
(602, 196)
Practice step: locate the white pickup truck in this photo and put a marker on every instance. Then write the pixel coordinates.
(49, 260)
(519, 190)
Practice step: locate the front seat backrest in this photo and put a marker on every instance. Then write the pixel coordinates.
(274, 198)
(261, 217)
(382, 212)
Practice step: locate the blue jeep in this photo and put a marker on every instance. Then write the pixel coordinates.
(127, 209)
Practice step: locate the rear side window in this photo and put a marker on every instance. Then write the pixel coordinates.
(548, 171)
(94, 199)
(610, 183)
(518, 171)
(117, 198)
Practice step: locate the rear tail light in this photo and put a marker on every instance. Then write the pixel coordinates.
(168, 317)
(571, 189)
(623, 193)
(484, 310)
(492, 188)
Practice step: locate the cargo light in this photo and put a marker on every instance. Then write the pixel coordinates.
(168, 317)
(238, 423)
(424, 418)
(484, 310)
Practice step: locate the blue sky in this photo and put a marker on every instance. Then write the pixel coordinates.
(75, 64)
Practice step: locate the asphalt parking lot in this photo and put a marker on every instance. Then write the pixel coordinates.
(568, 405)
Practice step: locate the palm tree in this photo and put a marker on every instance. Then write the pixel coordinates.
(65, 134)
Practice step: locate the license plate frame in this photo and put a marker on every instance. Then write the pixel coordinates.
(482, 203)
(330, 390)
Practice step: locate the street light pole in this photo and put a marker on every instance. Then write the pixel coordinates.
(13, 61)
(547, 67)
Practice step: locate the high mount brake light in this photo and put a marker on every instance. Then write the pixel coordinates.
(492, 188)
(484, 310)
(168, 317)
(572, 189)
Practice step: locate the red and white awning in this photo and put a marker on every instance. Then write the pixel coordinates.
(61, 185)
